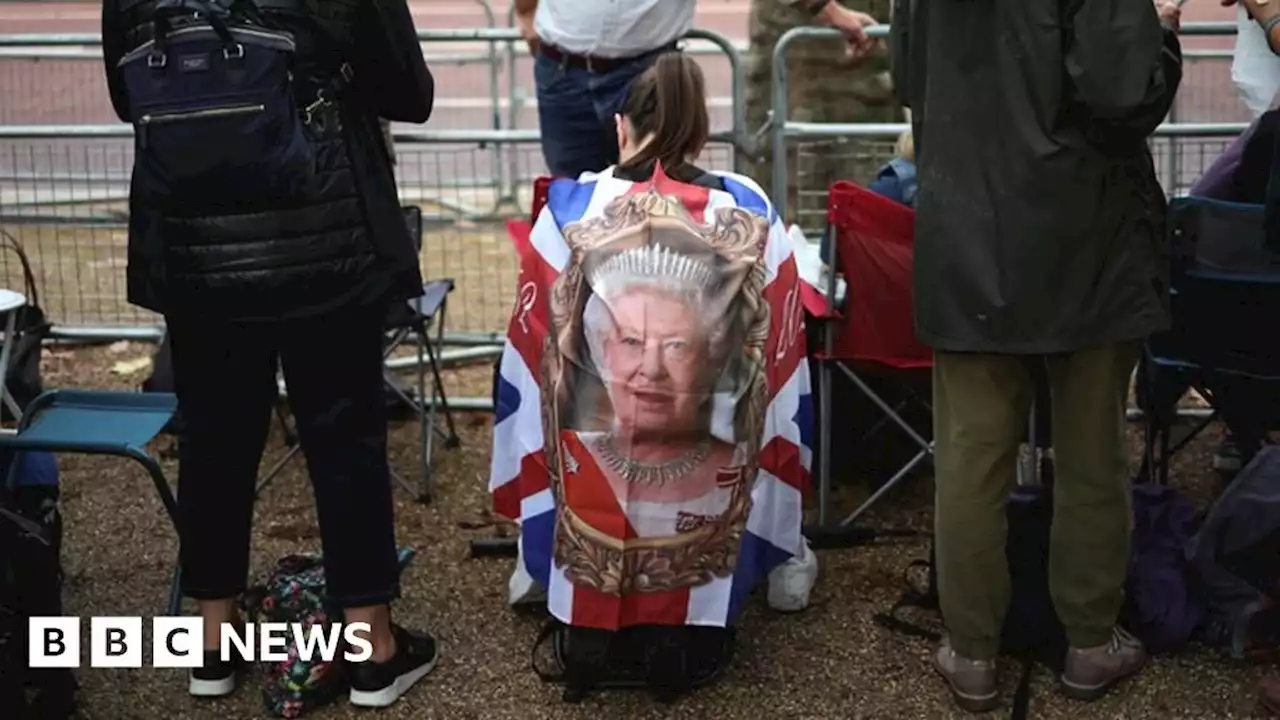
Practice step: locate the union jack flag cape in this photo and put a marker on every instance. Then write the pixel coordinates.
(616, 542)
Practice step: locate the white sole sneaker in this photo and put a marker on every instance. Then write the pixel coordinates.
(212, 688)
(386, 696)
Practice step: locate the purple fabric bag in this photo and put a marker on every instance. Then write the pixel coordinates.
(1164, 607)
(1218, 183)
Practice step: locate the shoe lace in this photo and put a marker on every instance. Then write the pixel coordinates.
(1121, 639)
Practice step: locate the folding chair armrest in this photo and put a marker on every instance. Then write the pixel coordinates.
(826, 316)
(817, 303)
(434, 295)
(41, 402)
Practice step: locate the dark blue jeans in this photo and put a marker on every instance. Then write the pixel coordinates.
(575, 113)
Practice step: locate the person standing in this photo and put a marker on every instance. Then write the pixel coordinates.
(587, 55)
(252, 283)
(1039, 239)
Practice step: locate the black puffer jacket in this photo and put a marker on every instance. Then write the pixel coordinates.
(346, 243)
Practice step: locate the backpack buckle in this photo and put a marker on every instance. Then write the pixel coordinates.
(320, 103)
(346, 72)
(157, 60)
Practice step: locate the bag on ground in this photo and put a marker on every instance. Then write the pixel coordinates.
(1163, 605)
(30, 586)
(294, 592)
(1236, 556)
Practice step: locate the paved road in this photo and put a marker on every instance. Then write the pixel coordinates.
(67, 91)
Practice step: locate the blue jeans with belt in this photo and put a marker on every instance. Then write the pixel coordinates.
(576, 108)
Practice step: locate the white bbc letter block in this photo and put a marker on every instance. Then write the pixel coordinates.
(177, 642)
(242, 642)
(115, 642)
(53, 642)
(274, 638)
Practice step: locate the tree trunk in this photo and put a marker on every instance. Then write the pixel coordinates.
(823, 87)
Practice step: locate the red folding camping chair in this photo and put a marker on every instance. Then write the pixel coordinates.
(872, 332)
(520, 228)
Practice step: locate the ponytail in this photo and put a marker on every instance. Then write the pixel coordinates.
(668, 104)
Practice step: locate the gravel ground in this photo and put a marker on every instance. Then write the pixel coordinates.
(830, 661)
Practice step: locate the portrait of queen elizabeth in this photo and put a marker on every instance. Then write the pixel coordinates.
(660, 329)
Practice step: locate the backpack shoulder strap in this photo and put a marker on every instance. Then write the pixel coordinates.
(547, 637)
(910, 598)
(1022, 696)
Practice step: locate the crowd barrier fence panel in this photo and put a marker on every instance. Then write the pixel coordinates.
(64, 190)
(64, 186)
(1206, 118)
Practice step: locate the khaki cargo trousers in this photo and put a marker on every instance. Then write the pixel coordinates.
(981, 406)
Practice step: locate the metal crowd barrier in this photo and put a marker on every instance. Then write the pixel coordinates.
(781, 129)
(1175, 143)
(63, 189)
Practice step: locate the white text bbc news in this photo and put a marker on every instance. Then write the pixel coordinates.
(177, 642)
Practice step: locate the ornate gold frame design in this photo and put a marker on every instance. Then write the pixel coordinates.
(589, 557)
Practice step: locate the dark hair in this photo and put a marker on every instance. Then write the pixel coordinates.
(668, 103)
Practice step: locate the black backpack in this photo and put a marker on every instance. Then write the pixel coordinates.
(212, 100)
(1032, 632)
(668, 661)
(30, 585)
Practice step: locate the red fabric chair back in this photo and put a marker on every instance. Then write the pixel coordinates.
(875, 246)
(539, 197)
(518, 229)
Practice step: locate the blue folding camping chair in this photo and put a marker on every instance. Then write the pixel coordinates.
(116, 423)
(1225, 295)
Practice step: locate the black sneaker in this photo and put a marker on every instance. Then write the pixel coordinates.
(379, 684)
(215, 678)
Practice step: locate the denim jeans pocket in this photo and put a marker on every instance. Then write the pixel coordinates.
(549, 76)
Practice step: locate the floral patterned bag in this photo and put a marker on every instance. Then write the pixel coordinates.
(294, 592)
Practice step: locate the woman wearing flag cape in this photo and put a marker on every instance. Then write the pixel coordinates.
(657, 317)
(658, 337)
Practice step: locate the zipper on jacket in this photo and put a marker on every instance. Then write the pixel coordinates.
(163, 118)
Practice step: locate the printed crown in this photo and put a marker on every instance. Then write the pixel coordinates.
(651, 262)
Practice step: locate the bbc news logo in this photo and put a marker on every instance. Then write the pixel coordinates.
(177, 642)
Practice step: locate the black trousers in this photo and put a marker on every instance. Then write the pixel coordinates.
(225, 380)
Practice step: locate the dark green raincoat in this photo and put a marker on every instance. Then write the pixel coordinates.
(1040, 221)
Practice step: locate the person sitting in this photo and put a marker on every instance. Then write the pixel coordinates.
(657, 438)
(897, 178)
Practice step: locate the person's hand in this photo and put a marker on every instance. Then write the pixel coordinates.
(1170, 14)
(854, 25)
(524, 21)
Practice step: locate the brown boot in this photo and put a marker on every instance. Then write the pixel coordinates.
(1091, 672)
(1269, 694)
(972, 682)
